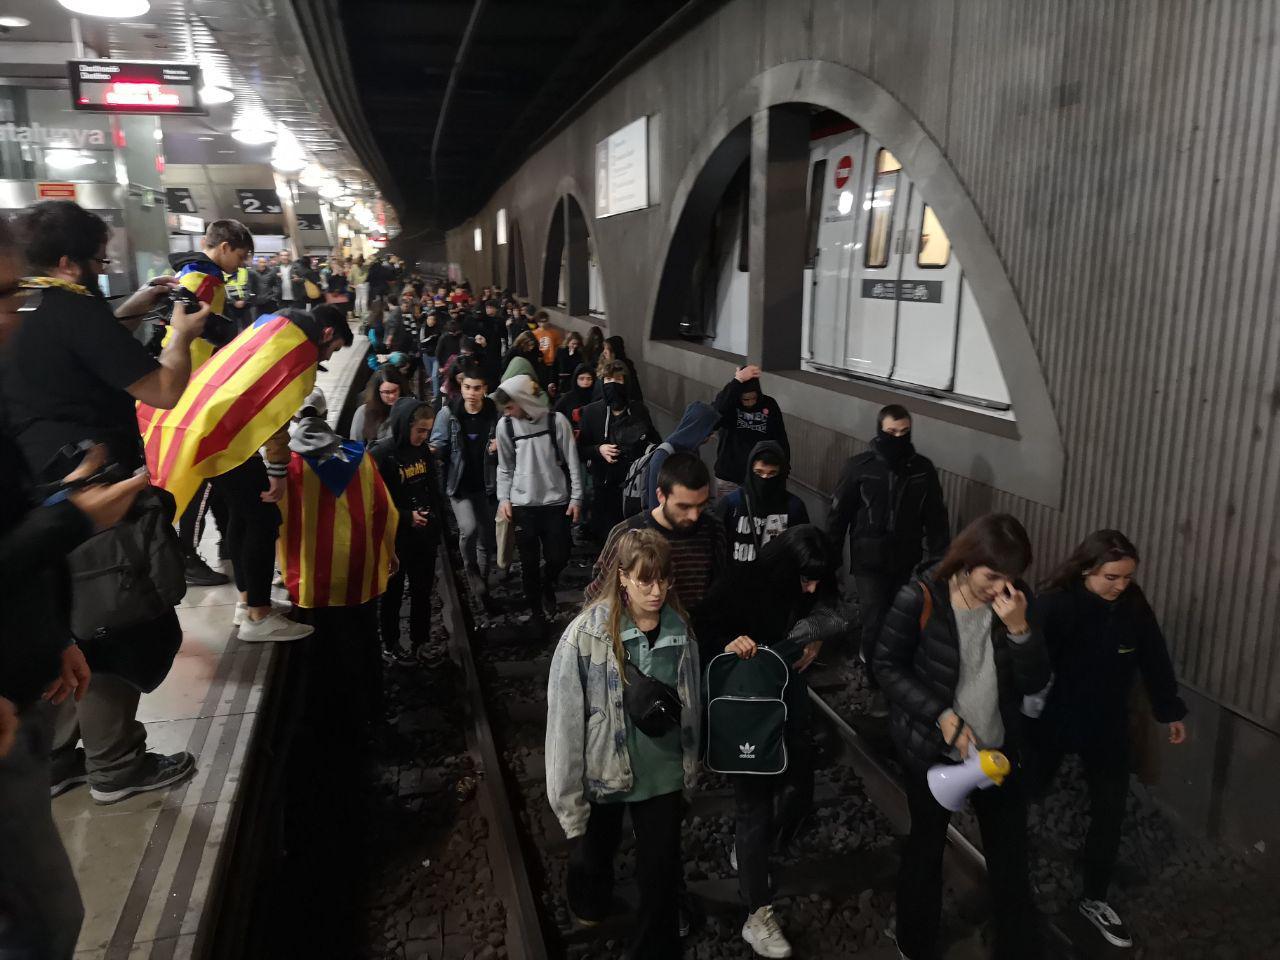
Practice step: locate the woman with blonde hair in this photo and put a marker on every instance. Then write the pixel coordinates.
(622, 735)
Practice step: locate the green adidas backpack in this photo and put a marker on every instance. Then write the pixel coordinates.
(746, 714)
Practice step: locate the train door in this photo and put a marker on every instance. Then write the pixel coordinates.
(928, 294)
(839, 161)
(871, 331)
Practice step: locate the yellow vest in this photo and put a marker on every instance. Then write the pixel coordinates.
(237, 286)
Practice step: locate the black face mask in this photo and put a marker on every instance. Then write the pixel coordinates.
(897, 450)
(583, 394)
(615, 395)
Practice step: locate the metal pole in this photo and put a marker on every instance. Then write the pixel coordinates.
(77, 39)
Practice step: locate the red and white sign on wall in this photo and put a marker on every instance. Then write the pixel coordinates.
(843, 169)
(56, 191)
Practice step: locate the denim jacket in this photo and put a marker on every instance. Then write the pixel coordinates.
(586, 748)
(447, 444)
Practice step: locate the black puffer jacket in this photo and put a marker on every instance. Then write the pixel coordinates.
(919, 670)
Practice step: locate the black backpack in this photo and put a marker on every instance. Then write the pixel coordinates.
(128, 574)
(746, 713)
(555, 444)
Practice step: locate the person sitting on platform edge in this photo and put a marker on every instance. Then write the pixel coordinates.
(956, 657)
(606, 755)
(1101, 633)
(889, 500)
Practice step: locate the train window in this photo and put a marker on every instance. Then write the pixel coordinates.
(935, 245)
(816, 182)
(880, 222)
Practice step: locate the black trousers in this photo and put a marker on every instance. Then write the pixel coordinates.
(659, 871)
(875, 596)
(252, 528)
(1002, 817)
(191, 523)
(768, 811)
(606, 511)
(543, 542)
(1106, 773)
(418, 567)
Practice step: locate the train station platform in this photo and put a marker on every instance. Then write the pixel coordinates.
(149, 866)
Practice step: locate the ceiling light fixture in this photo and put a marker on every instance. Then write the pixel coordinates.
(288, 156)
(114, 9)
(331, 189)
(212, 96)
(313, 176)
(67, 159)
(344, 203)
(254, 130)
(14, 23)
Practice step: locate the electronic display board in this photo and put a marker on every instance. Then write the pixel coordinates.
(134, 86)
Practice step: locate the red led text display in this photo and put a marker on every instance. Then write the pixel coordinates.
(129, 86)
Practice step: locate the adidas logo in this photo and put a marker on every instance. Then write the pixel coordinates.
(746, 751)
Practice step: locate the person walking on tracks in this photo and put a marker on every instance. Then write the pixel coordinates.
(956, 657)
(623, 713)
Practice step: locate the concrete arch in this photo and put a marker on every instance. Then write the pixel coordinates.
(824, 84)
(567, 226)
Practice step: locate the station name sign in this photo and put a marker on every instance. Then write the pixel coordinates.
(134, 86)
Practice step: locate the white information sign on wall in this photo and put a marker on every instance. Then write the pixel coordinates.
(502, 227)
(622, 170)
(477, 239)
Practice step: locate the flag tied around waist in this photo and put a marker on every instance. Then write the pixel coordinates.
(339, 530)
(236, 400)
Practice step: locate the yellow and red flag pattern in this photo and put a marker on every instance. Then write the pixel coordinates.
(241, 396)
(339, 530)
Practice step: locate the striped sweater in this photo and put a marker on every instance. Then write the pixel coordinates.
(698, 557)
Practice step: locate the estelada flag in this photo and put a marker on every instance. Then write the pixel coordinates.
(339, 530)
(241, 396)
(203, 279)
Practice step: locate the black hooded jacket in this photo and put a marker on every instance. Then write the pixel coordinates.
(889, 505)
(918, 667)
(765, 505)
(1096, 648)
(631, 431)
(34, 543)
(410, 474)
(741, 428)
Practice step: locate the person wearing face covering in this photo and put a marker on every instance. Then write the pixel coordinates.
(889, 503)
(762, 508)
(575, 397)
(615, 431)
(747, 416)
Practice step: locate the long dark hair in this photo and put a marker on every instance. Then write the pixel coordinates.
(376, 409)
(593, 346)
(997, 540)
(1099, 547)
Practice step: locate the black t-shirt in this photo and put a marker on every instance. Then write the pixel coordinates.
(473, 434)
(65, 376)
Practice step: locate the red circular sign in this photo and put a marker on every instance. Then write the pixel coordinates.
(843, 169)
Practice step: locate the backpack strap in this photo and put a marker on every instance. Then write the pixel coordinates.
(926, 606)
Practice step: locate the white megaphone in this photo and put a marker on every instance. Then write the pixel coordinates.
(951, 783)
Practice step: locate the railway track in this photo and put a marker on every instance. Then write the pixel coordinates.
(834, 886)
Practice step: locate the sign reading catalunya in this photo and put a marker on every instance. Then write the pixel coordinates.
(43, 136)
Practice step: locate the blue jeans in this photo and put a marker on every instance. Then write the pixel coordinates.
(431, 372)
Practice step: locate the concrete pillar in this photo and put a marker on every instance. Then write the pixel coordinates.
(776, 235)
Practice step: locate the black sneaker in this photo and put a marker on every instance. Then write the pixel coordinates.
(550, 608)
(67, 771)
(158, 772)
(878, 709)
(200, 574)
(1100, 914)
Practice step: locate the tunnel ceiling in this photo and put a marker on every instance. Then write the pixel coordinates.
(527, 63)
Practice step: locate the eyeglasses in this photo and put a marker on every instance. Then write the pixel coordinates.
(648, 586)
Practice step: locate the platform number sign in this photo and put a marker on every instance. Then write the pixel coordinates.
(258, 201)
(843, 170)
(179, 200)
(310, 221)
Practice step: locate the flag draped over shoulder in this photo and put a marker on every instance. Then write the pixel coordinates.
(236, 400)
(339, 530)
(203, 280)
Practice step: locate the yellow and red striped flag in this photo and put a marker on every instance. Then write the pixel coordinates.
(236, 400)
(339, 530)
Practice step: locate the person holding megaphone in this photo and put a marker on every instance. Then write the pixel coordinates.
(955, 658)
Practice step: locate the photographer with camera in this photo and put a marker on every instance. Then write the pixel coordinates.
(71, 373)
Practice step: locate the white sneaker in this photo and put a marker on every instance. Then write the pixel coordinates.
(1108, 922)
(272, 628)
(242, 610)
(764, 935)
(733, 858)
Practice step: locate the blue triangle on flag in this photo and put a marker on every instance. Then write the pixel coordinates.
(336, 473)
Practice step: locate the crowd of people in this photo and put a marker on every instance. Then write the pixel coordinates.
(708, 581)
